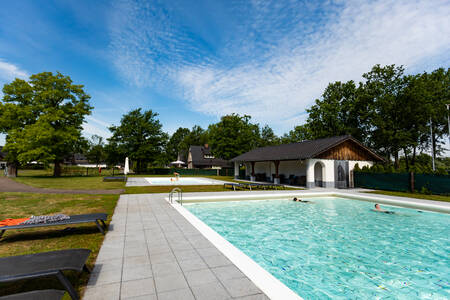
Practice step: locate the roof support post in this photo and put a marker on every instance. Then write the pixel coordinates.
(236, 170)
(277, 164)
(253, 168)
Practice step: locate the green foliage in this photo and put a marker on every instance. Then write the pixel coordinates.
(43, 118)
(175, 147)
(268, 137)
(140, 137)
(233, 135)
(388, 111)
(96, 150)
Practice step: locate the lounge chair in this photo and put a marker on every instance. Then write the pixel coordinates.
(45, 264)
(75, 219)
(36, 295)
(232, 185)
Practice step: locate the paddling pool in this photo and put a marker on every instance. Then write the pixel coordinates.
(338, 248)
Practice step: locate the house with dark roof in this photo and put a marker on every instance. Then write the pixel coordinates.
(201, 157)
(327, 162)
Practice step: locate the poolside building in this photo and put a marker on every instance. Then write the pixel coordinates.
(201, 157)
(327, 162)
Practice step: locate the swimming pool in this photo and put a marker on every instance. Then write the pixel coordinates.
(146, 181)
(339, 248)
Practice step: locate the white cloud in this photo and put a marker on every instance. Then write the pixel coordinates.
(279, 89)
(94, 126)
(9, 71)
(279, 58)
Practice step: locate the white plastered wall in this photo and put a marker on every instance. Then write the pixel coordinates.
(327, 172)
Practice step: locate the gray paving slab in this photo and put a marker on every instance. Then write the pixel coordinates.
(152, 252)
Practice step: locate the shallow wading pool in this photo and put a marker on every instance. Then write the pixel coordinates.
(182, 181)
(338, 248)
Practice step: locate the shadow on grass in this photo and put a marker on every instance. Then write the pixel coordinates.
(10, 236)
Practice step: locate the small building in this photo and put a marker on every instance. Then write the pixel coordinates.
(327, 162)
(201, 157)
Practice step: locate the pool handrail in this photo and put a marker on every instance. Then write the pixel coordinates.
(179, 192)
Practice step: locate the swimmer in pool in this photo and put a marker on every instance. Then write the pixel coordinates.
(177, 175)
(378, 209)
(300, 200)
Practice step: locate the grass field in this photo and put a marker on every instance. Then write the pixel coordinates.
(42, 179)
(18, 242)
(413, 195)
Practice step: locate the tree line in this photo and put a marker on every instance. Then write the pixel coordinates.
(398, 115)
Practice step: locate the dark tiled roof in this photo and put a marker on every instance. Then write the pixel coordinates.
(198, 159)
(302, 150)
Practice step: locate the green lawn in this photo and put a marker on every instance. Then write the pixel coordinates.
(42, 179)
(413, 195)
(18, 242)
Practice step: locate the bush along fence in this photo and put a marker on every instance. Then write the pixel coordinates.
(404, 182)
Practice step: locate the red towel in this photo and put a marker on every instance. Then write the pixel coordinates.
(12, 222)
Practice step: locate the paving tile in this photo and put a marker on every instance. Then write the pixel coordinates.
(192, 264)
(239, 287)
(202, 243)
(204, 252)
(137, 288)
(186, 254)
(135, 251)
(160, 258)
(137, 272)
(210, 291)
(166, 269)
(103, 292)
(200, 277)
(217, 261)
(184, 294)
(112, 275)
(254, 297)
(227, 272)
(136, 261)
(143, 297)
(107, 265)
(170, 283)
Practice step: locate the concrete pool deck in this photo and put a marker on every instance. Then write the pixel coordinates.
(151, 251)
(161, 181)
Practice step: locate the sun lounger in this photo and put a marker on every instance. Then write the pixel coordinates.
(36, 295)
(45, 264)
(75, 219)
(232, 185)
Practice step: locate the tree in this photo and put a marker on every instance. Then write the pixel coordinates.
(96, 150)
(298, 134)
(197, 136)
(233, 135)
(43, 118)
(174, 146)
(268, 137)
(140, 137)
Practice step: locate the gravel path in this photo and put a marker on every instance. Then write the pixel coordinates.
(9, 185)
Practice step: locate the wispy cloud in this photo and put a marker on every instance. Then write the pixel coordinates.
(94, 126)
(9, 71)
(280, 58)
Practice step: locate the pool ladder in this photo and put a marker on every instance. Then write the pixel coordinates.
(179, 194)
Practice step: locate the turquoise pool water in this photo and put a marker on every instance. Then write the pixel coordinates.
(338, 248)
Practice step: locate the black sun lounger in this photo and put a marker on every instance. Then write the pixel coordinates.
(36, 295)
(38, 265)
(75, 219)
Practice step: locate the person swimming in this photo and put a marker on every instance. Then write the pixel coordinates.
(378, 209)
(300, 200)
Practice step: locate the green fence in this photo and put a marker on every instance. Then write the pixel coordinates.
(401, 182)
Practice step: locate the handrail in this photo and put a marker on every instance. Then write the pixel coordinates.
(179, 193)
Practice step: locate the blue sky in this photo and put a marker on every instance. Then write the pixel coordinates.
(193, 61)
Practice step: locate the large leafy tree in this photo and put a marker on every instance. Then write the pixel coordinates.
(233, 135)
(268, 137)
(43, 118)
(174, 146)
(298, 134)
(140, 137)
(197, 136)
(96, 150)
